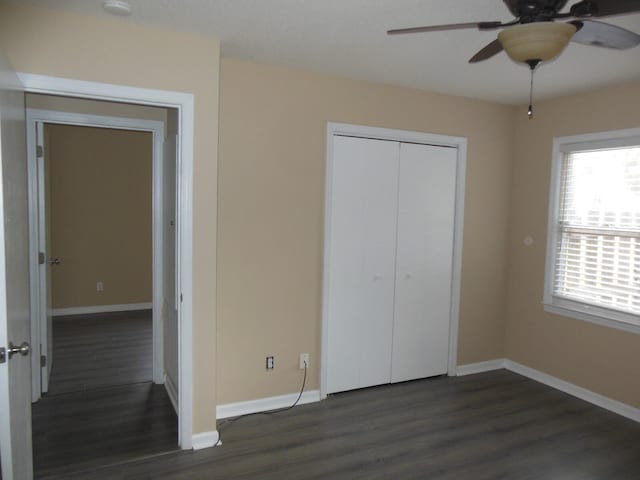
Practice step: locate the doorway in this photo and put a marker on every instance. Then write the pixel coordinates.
(16, 438)
(105, 270)
(96, 195)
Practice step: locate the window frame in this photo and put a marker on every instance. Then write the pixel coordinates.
(575, 308)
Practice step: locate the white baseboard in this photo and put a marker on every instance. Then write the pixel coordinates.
(480, 367)
(579, 392)
(126, 307)
(204, 440)
(607, 403)
(265, 404)
(172, 391)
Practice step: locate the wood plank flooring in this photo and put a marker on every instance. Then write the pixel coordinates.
(495, 425)
(98, 350)
(102, 407)
(84, 430)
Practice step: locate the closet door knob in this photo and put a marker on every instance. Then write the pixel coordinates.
(408, 275)
(377, 277)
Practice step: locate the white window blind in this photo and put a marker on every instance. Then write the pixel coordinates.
(597, 257)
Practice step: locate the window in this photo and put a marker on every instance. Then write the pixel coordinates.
(593, 248)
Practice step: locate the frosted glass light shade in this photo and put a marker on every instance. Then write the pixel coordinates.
(540, 41)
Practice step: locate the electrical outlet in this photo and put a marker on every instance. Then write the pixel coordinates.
(271, 363)
(304, 359)
(99, 286)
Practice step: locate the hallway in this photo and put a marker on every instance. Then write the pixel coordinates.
(102, 407)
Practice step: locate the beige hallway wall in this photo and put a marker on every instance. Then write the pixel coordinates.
(100, 204)
(598, 358)
(271, 194)
(50, 42)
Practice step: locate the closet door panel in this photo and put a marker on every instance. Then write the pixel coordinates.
(424, 261)
(361, 262)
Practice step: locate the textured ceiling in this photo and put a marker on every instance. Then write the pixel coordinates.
(347, 38)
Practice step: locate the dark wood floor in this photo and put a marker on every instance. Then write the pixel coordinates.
(496, 425)
(84, 430)
(99, 350)
(102, 407)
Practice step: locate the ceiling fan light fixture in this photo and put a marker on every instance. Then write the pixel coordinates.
(538, 41)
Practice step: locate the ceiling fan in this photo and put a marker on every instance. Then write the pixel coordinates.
(535, 32)
(534, 36)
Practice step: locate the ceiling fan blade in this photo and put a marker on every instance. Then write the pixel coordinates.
(600, 34)
(451, 26)
(604, 8)
(487, 52)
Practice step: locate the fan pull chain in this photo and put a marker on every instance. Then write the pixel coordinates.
(532, 65)
(530, 110)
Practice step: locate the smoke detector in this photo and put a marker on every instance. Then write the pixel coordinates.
(117, 7)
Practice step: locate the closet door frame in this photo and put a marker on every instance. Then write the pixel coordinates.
(361, 131)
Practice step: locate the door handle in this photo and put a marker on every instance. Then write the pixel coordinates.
(23, 349)
(54, 261)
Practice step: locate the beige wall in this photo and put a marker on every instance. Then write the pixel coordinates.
(271, 200)
(100, 207)
(49, 42)
(94, 107)
(597, 358)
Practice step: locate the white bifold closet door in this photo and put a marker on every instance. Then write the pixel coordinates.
(364, 206)
(390, 262)
(424, 258)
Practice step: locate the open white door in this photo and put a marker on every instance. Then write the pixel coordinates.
(170, 267)
(15, 368)
(45, 259)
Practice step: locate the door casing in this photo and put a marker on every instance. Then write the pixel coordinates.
(38, 316)
(184, 104)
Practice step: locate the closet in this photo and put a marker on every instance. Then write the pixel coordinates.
(389, 261)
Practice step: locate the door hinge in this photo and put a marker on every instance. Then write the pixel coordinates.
(41, 258)
(43, 360)
(39, 151)
(180, 298)
(3, 354)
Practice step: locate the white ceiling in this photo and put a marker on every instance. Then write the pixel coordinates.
(347, 38)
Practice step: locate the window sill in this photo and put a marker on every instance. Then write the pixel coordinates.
(571, 312)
